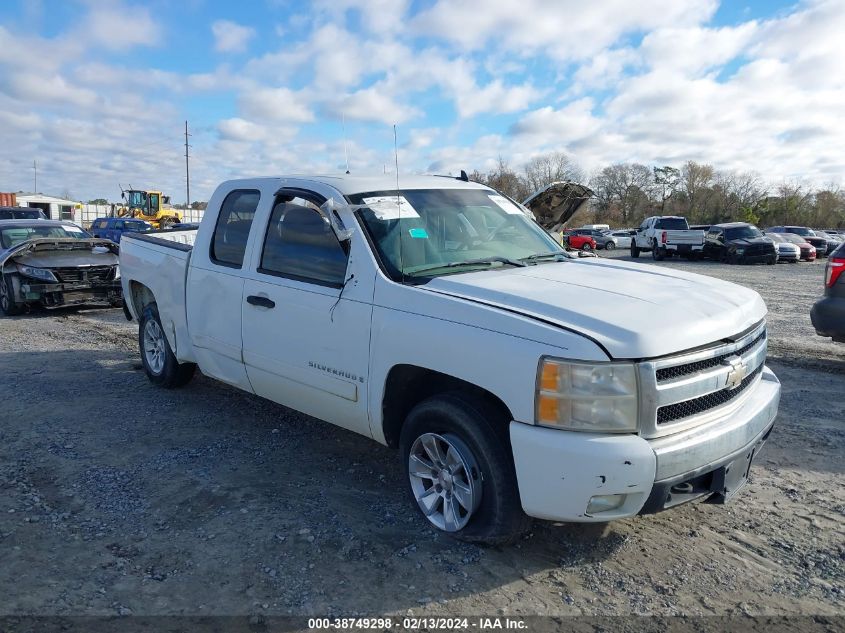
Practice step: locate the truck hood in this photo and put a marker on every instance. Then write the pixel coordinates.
(632, 310)
(555, 204)
(62, 252)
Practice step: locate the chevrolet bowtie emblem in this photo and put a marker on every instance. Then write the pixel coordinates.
(737, 373)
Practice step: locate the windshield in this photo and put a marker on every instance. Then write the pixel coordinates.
(799, 230)
(792, 238)
(15, 235)
(137, 199)
(433, 232)
(672, 224)
(743, 233)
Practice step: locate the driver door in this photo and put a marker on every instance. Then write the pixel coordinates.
(306, 329)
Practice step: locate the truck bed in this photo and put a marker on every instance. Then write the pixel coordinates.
(691, 238)
(159, 260)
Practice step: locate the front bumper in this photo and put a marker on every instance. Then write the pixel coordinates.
(558, 472)
(828, 317)
(67, 294)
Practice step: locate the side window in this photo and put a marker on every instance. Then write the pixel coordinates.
(301, 245)
(232, 229)
(119, 225)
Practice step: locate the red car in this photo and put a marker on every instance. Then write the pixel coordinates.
(581, 242)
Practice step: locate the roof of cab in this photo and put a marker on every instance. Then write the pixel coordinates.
(350, 185)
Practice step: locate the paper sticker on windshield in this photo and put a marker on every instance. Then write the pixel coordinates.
(506, 205)
(391, 207)
(72, 229)
(418, 233)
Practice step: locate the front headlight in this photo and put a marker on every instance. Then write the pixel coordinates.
(117, 272)
(740, 251)
(37, 273)
(594, 397)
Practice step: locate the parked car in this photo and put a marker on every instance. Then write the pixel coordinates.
(833, 242)
(828, 313)
(626, 392)
(623, 238)
(667, 235)
(113, 228)
(53, 263)
(787, 251)
(603, 239)
(808, 251)
(21, 213)
(820, 243)
(739, 243)
(580, 241)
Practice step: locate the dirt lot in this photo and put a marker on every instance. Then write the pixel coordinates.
(118, 498)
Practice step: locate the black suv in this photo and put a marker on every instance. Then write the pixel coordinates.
(828, 313)
(739, 243)
(21, 213)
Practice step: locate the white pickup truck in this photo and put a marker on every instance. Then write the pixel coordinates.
(667, 235)
(437, 318)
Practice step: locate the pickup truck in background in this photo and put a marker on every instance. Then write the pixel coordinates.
(667, 235)
(437, 318)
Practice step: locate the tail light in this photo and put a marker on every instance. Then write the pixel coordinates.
(835, 267)
(663, 237)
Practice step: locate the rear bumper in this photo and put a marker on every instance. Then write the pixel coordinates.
(559, 472)
(828, 317)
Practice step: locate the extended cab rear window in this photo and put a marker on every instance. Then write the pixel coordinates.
(232, 229)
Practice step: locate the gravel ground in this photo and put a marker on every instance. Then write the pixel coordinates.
(118, 498)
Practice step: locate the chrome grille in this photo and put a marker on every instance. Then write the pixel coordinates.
(683, 391)
(710, 401)
(670, 373)
(83, 275)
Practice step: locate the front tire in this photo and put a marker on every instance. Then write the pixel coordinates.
(586, 247)
(457, 460)
(609, 246)
(8, 305)
(159, 362)
(635, 252)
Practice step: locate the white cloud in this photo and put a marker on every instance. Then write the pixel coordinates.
(118, 27)
(231, 37)
(563, 29)
(372, 104)
(276, 104)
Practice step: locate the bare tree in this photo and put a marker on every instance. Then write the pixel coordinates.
(667, 179)
(548, 168)
(624, 185)
(696, 180)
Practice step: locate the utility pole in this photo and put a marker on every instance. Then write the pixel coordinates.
(34, 176)
(187, 171)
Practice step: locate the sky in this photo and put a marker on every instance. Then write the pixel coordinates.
(97, 92)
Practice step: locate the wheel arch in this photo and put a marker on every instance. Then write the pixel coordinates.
(407, 385)
(140, 297)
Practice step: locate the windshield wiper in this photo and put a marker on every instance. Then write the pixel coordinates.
(473, 262)
(539, 256)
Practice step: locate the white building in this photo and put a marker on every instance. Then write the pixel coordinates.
(54, 208)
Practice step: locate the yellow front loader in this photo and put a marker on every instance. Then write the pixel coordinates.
(151, 206)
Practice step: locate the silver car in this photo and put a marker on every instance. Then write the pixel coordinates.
(623, 238)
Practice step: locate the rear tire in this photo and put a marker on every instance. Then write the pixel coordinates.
(609, 246)
(479, 435)
(8, 305)
(657, 254)
(159, 362)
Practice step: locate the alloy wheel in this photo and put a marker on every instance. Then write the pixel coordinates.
(444, 480)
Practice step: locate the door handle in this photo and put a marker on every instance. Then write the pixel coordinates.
(264, 302)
